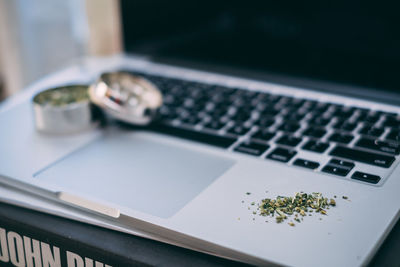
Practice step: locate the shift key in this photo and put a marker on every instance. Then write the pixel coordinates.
(251, 148)
(363, 156)
(378, 145)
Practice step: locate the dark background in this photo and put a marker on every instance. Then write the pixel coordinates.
(2, 90)
(349, 42)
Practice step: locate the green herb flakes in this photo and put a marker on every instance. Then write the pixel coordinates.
(63, 96)
(299, 206)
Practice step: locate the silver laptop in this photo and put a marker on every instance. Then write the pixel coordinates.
(260, 101)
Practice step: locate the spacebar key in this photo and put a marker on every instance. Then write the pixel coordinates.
(363, 156)
(205, 138)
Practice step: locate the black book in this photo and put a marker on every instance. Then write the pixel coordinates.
(31, 238)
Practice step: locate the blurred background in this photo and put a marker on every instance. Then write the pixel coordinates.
(352, 43)
(38, 37)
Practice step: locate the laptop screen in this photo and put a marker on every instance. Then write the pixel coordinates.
(348, 42)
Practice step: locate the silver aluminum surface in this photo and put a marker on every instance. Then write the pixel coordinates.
(56, 112)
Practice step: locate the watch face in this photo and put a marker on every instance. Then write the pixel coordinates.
(62, 96)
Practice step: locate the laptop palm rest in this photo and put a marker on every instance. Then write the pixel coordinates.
(134, 171)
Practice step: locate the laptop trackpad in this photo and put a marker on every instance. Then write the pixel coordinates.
(136, 172)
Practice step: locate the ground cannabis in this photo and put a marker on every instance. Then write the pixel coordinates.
(63, 96)
(300, 205)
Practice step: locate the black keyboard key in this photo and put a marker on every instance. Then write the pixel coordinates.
(382, 146)
(264, 121)
(263, 134)
(372, 118)
(289, 127)
(306, 164)
(259, 105)
(316, 146)
(285, 100)
(394, 135)
(363, 156)
(238, 101)
(168, 99)
(289, 140)
(188, 103)
(251, 148)
(334, 107)
(202, 115)
(191, 120)
(349, 126)
(362, 115)
(341, 138)
(217, 98)
(270, 112)
(341, 163)
(320, 107)
(344, 125)
(388, 114)
(344, 112)
(290, 116)
(214, 125)
(315, 132)
(335, 170)
(319, 121)
(392, 122)
(209, 106)
(216, 114)
(309, 104)
(368, 117)
(366, 177)
(371, 131)
(274, 98)
(210, 139)
(238, 130)
(296, 102)
(182, 113)
(241, 116)
(166, 113)
(282, 154)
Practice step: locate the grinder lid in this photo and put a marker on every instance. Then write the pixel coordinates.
(127, 97)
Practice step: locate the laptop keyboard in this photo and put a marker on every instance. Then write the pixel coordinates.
(279, 127)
